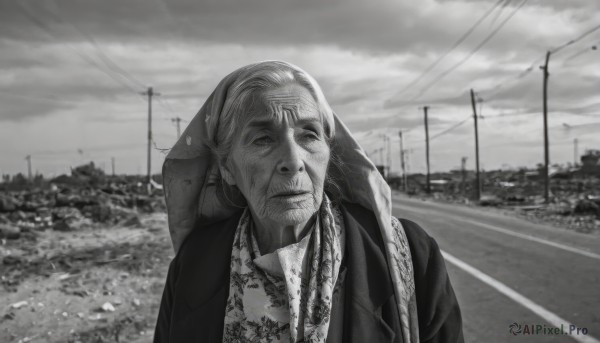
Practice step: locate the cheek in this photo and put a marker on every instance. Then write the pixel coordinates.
(319, 162)
(251, 173)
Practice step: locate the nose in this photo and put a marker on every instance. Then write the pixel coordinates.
(290, 161)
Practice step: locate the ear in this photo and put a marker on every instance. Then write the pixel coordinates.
(226, 174)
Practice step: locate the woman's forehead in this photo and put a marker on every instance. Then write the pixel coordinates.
(292, 103)
(291, 94)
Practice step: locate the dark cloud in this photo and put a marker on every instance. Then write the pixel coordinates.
(88, 60)
(388, 26)
(18, 107)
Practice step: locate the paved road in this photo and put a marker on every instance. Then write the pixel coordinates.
(506, 270)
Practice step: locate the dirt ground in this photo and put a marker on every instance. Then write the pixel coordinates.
(97, 284)
(101, 284)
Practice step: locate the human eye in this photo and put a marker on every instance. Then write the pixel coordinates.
(262, 140)
(311, 133)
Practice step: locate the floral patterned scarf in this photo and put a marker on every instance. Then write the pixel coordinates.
(290, 302)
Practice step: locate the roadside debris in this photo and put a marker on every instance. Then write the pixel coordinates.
(574, 193)
(19, 304)
(107, 307)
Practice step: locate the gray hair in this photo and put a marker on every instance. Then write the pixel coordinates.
(253, 80)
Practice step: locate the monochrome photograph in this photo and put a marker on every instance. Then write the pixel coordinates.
(300, 171)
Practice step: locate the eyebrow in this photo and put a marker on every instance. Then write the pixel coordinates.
(269, 123)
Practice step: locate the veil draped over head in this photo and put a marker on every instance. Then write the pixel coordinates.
(192, 190)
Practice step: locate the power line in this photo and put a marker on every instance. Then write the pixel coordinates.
(573, 41)
(499, 13)
(108, 62)
(473, 52)
(567, 110)
(496, 88)
(580, 52)
(27, 13)
(533, 66)
(445, 131)
(453, 127)
(511, 114)
(454, 46)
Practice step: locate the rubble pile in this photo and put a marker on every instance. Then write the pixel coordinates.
(71, 203)
(574, 197)
(83, 258)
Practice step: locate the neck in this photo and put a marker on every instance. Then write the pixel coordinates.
(272, 236)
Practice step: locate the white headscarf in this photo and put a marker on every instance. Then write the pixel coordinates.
(190, 172)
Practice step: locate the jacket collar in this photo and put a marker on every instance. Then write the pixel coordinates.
(368, 274)
(368, 284)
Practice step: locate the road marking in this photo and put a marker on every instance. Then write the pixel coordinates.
(535, 239)
(512, 233)
(550, 317)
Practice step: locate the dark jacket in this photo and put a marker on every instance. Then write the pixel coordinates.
(196, 291)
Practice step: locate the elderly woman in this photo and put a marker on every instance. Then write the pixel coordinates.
(283, 228)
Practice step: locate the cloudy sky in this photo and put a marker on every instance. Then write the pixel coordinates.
(71, 73)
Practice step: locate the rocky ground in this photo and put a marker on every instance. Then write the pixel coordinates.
(87, 263)
(100, 283)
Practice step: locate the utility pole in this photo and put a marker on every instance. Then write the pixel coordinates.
(407, 153)
(404, 178)
(112, 162)
(381, 158)
(575, 152)
(177, 120)
(477, 175)
(463, 167)
(28, 158)
(546, 147)
(150, 93)
(425, 108)
(388, 147)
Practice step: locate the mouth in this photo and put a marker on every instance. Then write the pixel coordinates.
(290, 194)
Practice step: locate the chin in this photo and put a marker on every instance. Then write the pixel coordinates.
(291, 214)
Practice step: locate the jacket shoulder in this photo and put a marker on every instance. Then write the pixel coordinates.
(201, 266)
(203, 236)
(365, 217)
(419, 240)
(438, 310)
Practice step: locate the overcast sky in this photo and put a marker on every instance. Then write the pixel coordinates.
(71, 72)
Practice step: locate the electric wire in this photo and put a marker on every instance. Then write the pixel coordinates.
(451, 128)
(108, 62)
(454, 46)
(27, 13)
(573, 41)
(494, 90)
(473, 52)
(580, 52)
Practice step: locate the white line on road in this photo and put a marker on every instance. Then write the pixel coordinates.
(518, 298)
(515, 234)
(535, 239)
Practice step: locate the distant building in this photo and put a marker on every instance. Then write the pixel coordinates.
(590, 162)
(439, 185)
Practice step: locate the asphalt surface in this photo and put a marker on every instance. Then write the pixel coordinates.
(506, 270)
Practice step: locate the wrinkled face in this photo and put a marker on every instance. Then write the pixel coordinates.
(279, 159)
